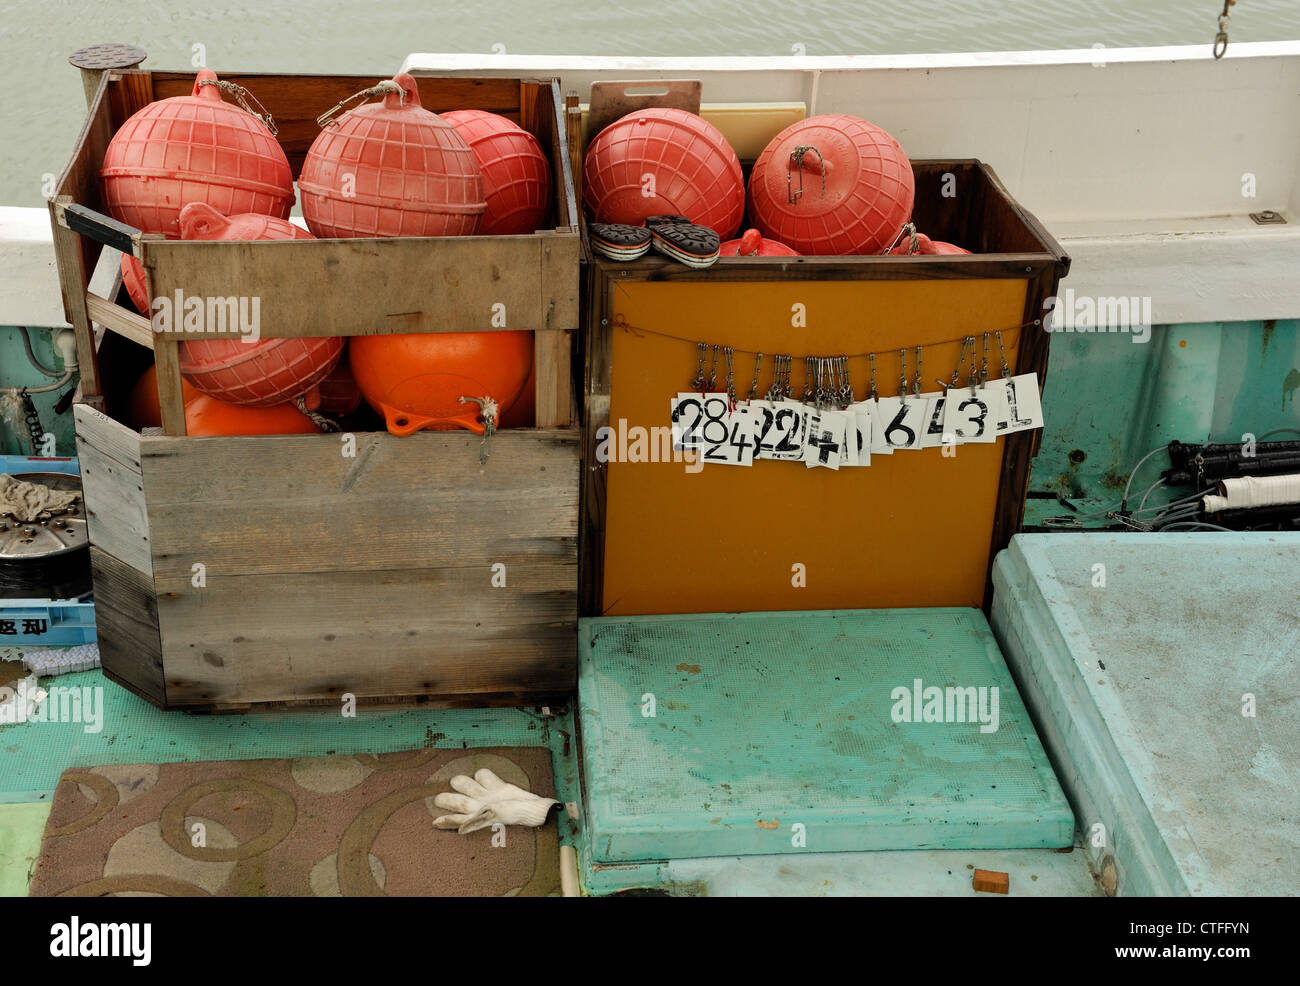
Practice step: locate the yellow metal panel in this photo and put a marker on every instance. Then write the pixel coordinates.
(911, 529)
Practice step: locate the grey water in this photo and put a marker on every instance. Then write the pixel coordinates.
(42, 106)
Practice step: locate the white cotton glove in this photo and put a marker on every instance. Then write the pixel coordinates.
(485, 799)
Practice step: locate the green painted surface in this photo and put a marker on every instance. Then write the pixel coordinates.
(1166, 698)
(21, 827)
(765, 722)
(16, 371)
(1109, 401)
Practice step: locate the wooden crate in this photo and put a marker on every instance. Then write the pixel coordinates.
(913, 529)
(245, 571)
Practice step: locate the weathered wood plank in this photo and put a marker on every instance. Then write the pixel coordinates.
(118, 319)
(113, 487)
(376, 286)
(290, 504)
(126, 620)
(313, 636)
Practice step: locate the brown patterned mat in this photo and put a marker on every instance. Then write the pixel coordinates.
(347, 826)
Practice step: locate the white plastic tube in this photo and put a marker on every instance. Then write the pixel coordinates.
(1254, 491)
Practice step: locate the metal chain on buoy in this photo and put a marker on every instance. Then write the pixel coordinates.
(242, 96)
(1221, 39)
(319, 420)
(913, 245)
(796, 161)
(489, 412)
(379, 89)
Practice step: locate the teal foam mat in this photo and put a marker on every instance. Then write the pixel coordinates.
(1162, 669)
(34, 754)
(776, 733)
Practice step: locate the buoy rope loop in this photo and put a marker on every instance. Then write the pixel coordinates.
(242, 96)
(379, 89)
(796, 162)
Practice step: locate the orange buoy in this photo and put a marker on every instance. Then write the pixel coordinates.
(416, 380)
(752, 244)
(391, 168)
(144, 409)
(523, 412)
(664, 162)
(195, 148)
(208, 416)
(832, 185)
(516, 174)
(258, 373)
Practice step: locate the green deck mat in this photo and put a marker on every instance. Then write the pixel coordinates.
(775, 733)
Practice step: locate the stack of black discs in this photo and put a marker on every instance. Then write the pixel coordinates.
(47, 558)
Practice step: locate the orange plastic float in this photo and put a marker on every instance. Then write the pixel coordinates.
(664, 162)
(832, 184)
(752, 244)
(416, 381)
(208, 416)
(144, 409)
(195, 148)
(516, 174)
(523, 412)
(391, 168)
(261, 373)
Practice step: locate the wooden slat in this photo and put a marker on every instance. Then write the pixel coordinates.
(171, 400)
(309, 636)
(379, 286)
(596, 387)
(126, 620)
(113, 486)
(289, 504)
(118, 319)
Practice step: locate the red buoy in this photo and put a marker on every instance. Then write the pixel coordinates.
(339, 393)
(195, 148)
(391, 168)
(664, 162)
(259, 373)
(926, 247)
(832, 184)
(752, 244)
(516, 174)
(416, 380)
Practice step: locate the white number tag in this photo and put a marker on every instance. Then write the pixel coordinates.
(738, 449)
(858, 453)
(1022, 407)
(970, 417)
(700, 420)
(882, 412)
(900, 422)
(789, 430)
(826, 438)
(932, 429)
